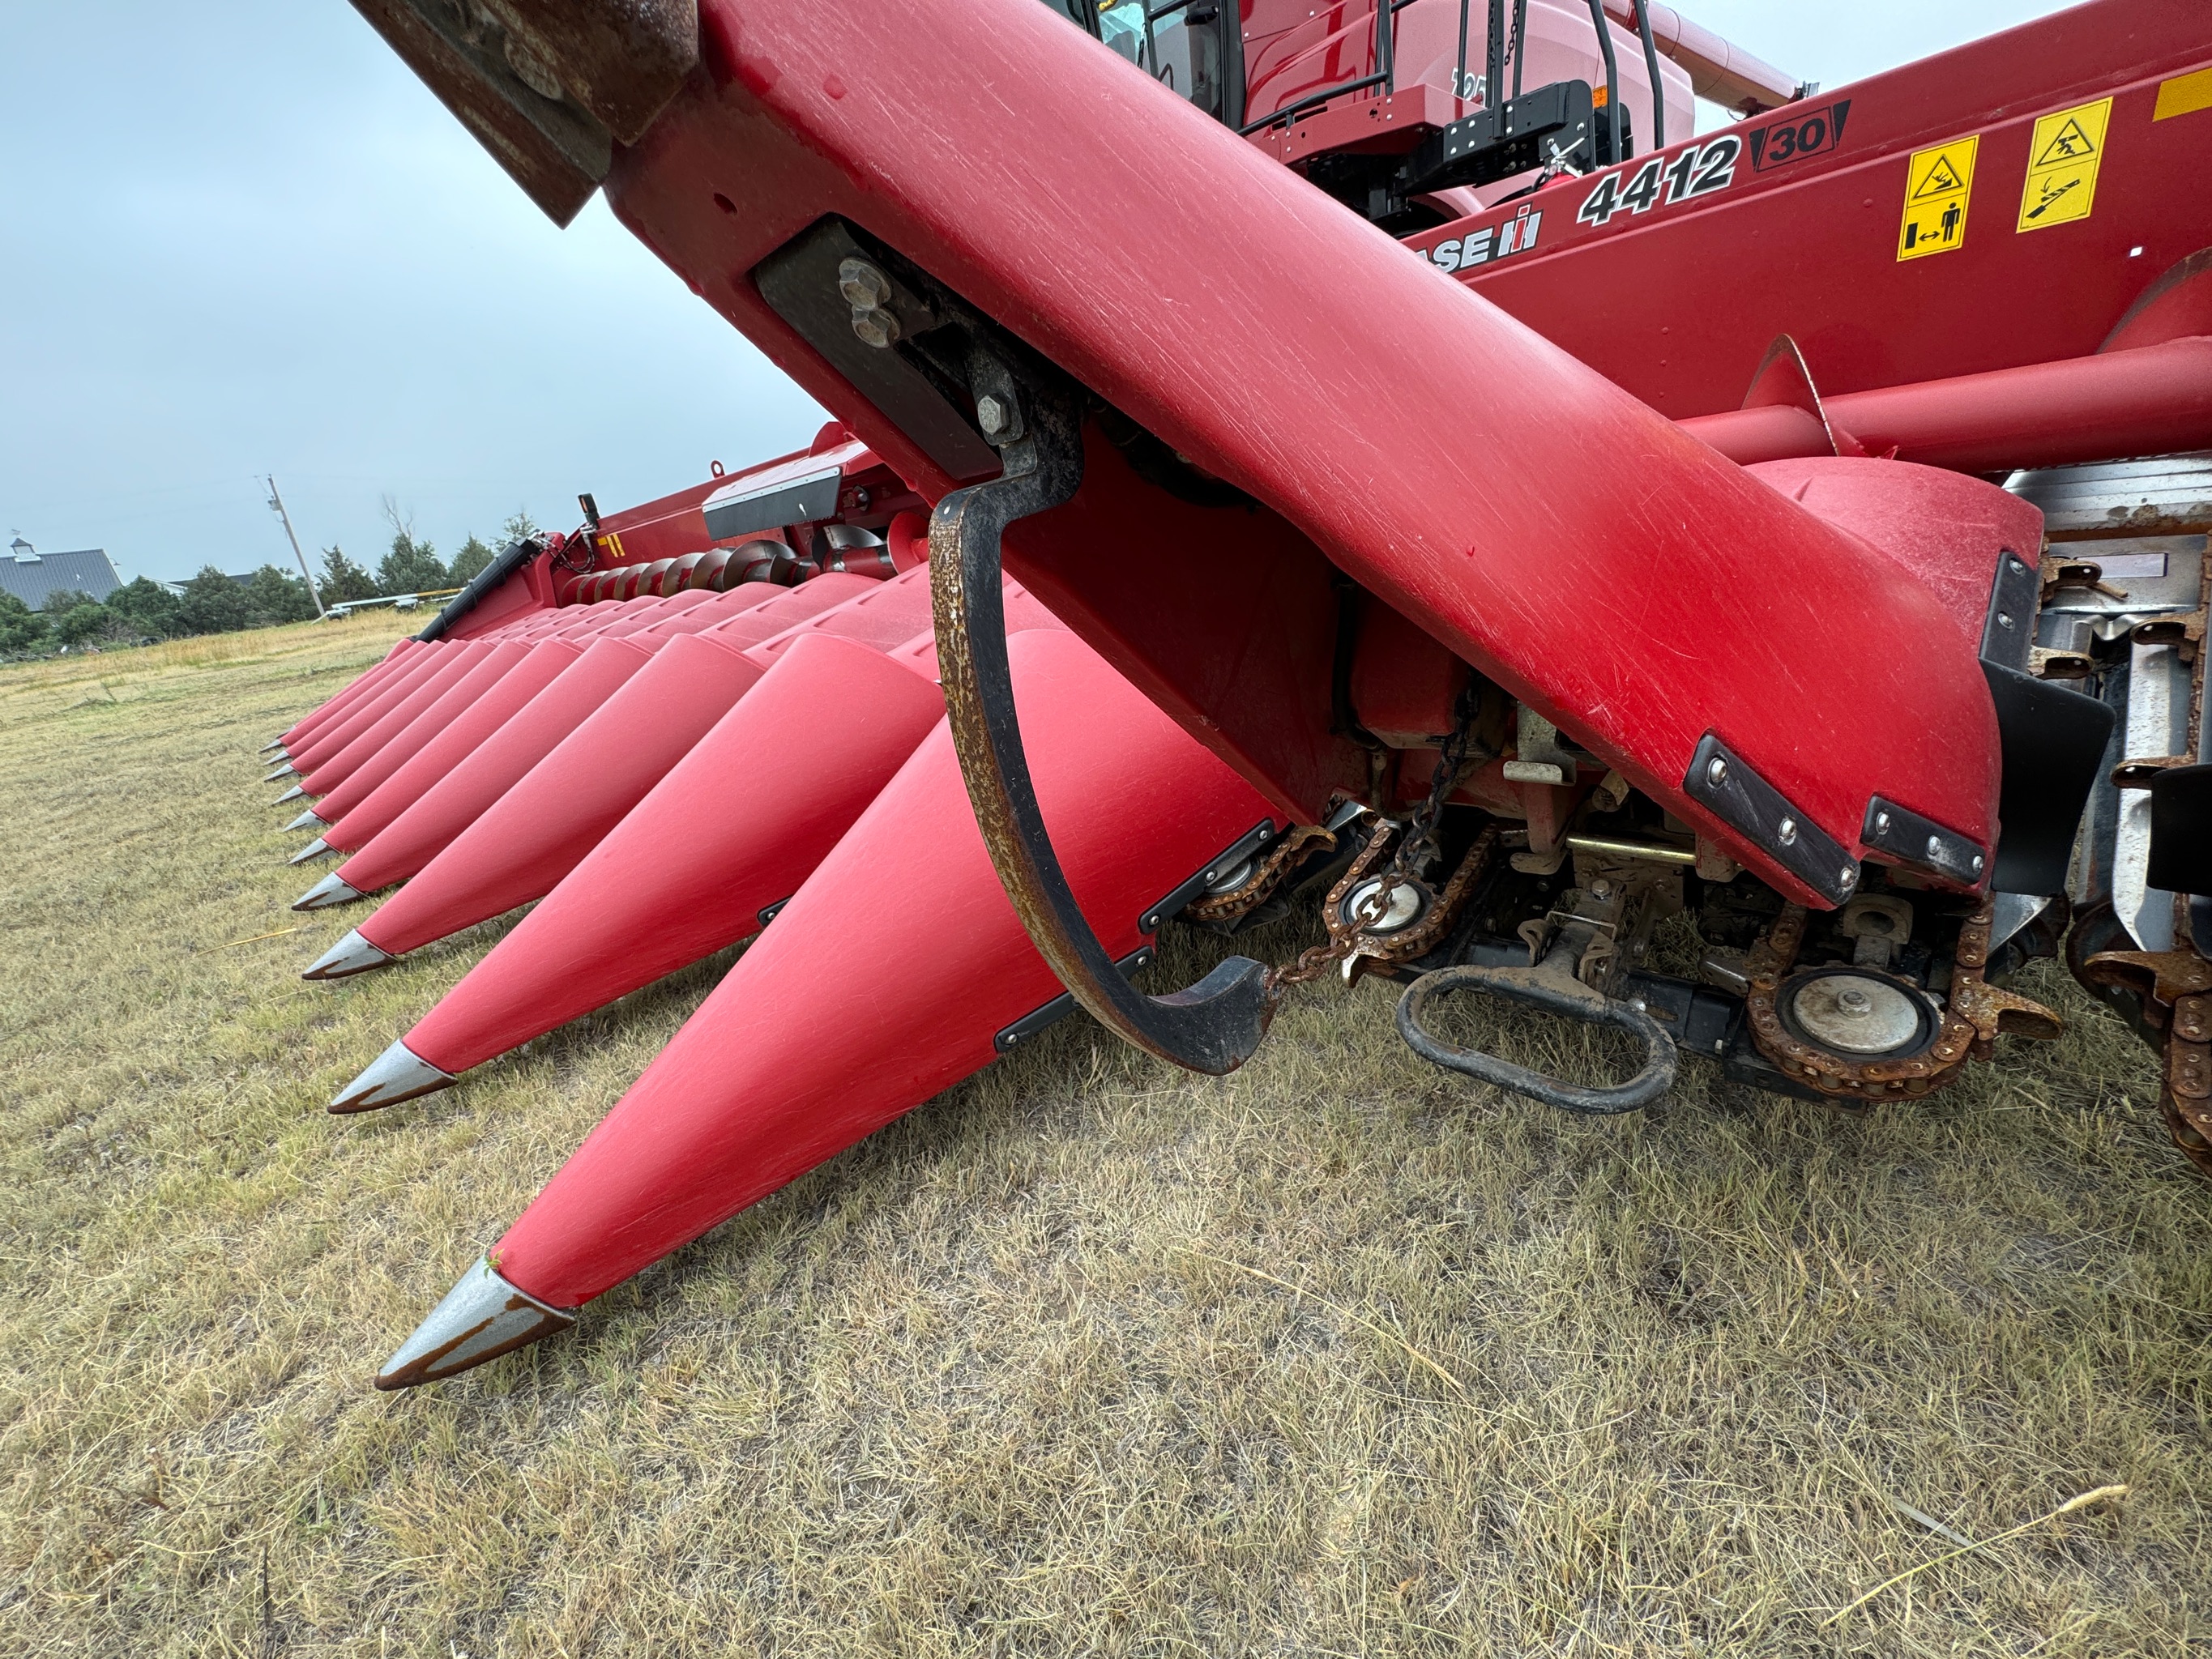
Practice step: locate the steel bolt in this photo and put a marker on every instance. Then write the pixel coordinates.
(875, 328)
(1786, 831)
(863, 286)
(1935, 846)
(1717, 771)
(991, 415)
(2004, 619)
(1882, 823)
(1978, 864)
(1850, 875)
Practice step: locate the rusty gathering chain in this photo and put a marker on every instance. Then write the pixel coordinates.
(1973, 1014)
(1417, 850)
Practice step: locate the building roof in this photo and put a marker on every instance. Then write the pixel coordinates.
(30, 575)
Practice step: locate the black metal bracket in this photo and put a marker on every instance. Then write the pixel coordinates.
(1922, 843)
(1047, 1015)
(1508, 136)
(1214, 1025)
(1246, 846)
(1723, 782)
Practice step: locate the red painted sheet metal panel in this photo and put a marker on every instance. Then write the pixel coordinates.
(334, 765)
(371, 705)
(1946, 529)
(1806, 234)
(499, 661)
(457, 801)
(370, 677)
(446, 751)
(772, 1075)
(1629, 584)
(891, 614)
(736, 826)
(521, 845)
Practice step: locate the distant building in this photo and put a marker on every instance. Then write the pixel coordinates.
(30, 575)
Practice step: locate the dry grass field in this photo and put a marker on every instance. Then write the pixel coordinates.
(1337, 1355)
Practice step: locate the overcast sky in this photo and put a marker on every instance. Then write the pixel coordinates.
(241, 239)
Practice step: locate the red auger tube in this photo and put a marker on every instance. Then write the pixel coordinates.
(535, 834)
(496, 665)
(320, 776)
(734, 828)
(773, 1075)
(335, 704)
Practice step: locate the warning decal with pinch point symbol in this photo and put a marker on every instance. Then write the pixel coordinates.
(1937, 182)
(2062, 166)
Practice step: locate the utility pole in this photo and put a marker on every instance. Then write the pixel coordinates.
(276, 506)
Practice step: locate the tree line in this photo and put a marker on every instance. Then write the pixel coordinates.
(143, 611)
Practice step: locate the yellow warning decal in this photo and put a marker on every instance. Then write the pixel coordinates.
(1937, 182)
(2185, 95)
(2062, 158)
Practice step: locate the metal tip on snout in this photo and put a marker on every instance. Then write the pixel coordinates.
(313, 850)
(306, 820)
(287, 770)
(351, 954)
(278, 744)
(330, 890)
(397, 1074)
(293, 793)
(482, 1318)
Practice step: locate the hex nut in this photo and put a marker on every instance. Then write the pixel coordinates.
(875, 328)
(864, 286)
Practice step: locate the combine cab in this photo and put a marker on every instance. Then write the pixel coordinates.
(1382, 452)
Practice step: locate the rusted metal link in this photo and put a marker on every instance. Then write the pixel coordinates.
(1974, 1014)
(2186, 1099)
(1311, 964)
(2175, 989)
(1234, 906)
(1389, 950)
(1350, 942)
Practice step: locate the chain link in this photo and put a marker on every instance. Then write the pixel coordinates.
(1417, 849)
(1420, 849)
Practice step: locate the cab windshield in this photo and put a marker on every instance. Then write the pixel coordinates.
(1178, 45)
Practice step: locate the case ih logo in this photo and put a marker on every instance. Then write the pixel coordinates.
(1517, 235)
(1798, 135)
